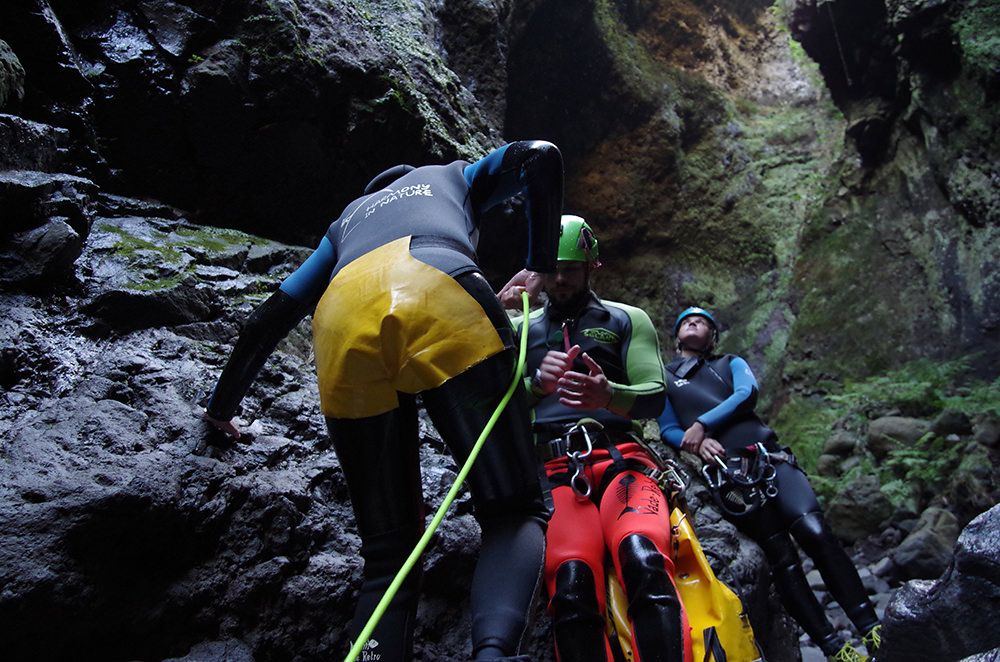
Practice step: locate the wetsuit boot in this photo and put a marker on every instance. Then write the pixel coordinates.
(654, 607)
(796, 596)
(842, 580)
(576, 623)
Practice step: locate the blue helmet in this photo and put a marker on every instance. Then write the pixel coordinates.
(695, 310)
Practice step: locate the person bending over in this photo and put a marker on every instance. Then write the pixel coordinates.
(400, 308)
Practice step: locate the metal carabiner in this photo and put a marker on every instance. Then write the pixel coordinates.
(589, 444)
(719, 473)
(768, 473)
(578, 477)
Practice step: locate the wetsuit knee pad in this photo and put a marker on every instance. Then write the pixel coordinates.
(812, 532)
(576, 619)
(654, 607)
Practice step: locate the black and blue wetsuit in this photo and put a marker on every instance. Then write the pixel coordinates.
(425, 223)
(721, 393)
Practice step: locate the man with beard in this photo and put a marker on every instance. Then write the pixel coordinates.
(599, 360)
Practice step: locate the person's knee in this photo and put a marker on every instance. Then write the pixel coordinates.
(644, 572)
(385, 553)
(575, 593)
(526, 503)
(813, 533)
(780, 551)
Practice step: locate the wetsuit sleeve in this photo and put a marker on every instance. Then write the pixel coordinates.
(671, 431)
(309, 281)
(267, 326)
(645, 394)
(744, 396)
(533, 168)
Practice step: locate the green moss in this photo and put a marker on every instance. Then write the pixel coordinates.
(643, 76)
(978, 30)
(129, 246)
(215, 239)
(804, 424)
(154, 285)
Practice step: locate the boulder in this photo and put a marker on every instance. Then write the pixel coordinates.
(42, 255)
(230, 650)
(828, 465)
(986, 429)
(858, 509)
(951, 421)
(841, 442)
(171, 304)
(954, 616)
(890, 432)
(926, 551)
(11, 77)
(27, 145)
(30, 198)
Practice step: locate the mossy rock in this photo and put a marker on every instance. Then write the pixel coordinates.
(11, 77)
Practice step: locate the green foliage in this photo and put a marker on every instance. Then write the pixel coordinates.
(920, 388)
(804, 424)
(977, 398)
(921, 471)
(910, 477)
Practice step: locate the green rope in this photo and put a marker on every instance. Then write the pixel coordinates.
(414, 556)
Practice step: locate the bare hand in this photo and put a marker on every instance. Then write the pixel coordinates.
(693, 437)
(523, 281)
(553, 367)
(710, 449)
(590, 391)
(226, 427)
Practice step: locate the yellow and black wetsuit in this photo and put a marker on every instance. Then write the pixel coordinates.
(401, 308)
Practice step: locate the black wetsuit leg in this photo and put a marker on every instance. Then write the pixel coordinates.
(380, 459)
(504, 483)
(800, 509)
(768, 527)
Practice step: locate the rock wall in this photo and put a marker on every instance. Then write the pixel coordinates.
(266, 115)
(821, 173)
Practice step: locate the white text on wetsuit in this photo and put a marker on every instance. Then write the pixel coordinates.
(405, 192)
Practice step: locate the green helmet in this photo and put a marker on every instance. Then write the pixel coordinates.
(577, 241)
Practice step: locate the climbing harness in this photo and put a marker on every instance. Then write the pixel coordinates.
(740, 485)
(421, 545)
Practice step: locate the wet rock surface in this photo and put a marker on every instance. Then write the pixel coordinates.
(951, 618)
(683, 124)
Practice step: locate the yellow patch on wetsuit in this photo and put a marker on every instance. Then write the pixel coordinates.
(388, 322)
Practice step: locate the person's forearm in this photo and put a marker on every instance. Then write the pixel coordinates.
(264, 329)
